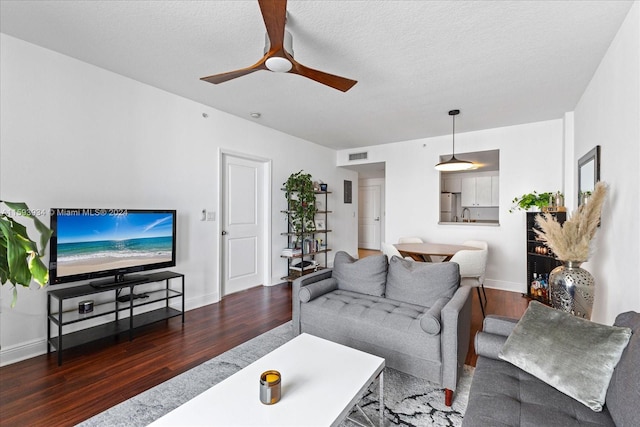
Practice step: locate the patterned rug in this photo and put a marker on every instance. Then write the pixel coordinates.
(409, 401)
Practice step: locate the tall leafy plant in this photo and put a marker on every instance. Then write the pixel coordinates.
(21, 257)
(301, 197)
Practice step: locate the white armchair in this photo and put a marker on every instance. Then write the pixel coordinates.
(473, 264)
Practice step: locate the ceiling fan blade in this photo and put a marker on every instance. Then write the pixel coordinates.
(274, 14)
(223, 77)
(341, 83)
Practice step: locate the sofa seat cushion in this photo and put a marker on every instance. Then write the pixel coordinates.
(381, 322)
(504, 395)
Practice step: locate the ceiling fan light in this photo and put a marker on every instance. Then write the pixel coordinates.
(454, 164)
(278, 64)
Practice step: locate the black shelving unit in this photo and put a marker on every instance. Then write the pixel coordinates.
(112, 306)
(312, 251)
(540, 260)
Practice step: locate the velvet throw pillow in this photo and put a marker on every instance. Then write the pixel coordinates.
(421, 283)
(571, 354)
(366, 276)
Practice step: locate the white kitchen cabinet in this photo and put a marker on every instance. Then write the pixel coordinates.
(495, 190)
(478, 192)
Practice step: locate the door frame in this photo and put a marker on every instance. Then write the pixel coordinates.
(367, 182)
(266, 218)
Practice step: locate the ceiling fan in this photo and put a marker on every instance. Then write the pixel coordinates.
(279, 57)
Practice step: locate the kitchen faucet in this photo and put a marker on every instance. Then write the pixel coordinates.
(464, 218)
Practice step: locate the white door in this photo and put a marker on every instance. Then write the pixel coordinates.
(369, 217)
(242, 223)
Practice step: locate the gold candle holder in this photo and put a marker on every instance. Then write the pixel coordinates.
(270, 390)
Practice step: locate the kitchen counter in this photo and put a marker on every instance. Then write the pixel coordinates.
(489, 222)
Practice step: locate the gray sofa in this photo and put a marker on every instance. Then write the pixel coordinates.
(504, 395)
(413, 314)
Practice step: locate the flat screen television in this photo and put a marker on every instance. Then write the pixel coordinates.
(93, 243)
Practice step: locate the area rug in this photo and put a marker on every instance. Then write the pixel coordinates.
(409, 401)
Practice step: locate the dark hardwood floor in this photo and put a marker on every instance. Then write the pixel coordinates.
(92, 378)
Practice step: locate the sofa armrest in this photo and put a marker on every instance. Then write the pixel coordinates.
(489, 345)
(455, 335)
(499, 325)
(313, 290)
(430, 321)
(298, 284)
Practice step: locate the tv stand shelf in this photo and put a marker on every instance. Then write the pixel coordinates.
(61, 317)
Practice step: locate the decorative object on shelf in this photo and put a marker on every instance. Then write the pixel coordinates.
(323, 186)
(572, 288)
(454, 164)
(533, 200)
(85, 306)
(301, 197)
(21, 258)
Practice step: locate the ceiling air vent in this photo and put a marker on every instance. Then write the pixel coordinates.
(358, 156)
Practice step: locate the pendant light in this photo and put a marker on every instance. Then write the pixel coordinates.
(454, 164)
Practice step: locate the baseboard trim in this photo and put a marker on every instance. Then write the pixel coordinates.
(23, 351)
(504, 286)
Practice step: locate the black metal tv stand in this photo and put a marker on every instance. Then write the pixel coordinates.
(113, 304)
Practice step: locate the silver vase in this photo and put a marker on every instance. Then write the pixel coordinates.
(572, 289)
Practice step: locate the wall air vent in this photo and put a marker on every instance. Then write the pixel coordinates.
(358, 156)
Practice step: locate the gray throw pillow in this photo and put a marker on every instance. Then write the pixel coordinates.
(571, 354)
(421, 283)
(366, 276)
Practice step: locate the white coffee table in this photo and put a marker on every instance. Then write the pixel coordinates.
(321, 383)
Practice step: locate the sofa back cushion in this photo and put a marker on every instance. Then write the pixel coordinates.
(624, 388)
(421, 283)
(366, 276)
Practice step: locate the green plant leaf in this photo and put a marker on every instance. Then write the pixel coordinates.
(39, 271)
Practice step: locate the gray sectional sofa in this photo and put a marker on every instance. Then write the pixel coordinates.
(505, 395)
(413, 314)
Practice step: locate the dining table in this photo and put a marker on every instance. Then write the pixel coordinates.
(424, 251)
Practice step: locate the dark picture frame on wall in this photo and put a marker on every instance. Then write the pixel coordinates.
(588, 174)
(348, 191)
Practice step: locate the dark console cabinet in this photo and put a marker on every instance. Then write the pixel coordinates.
(540, 260)
(116, 303)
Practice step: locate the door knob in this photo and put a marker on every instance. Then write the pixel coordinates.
(224, 233)
(377, 218)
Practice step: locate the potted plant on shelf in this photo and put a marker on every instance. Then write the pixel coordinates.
(20, 257)
(529, 201)
(301, 198)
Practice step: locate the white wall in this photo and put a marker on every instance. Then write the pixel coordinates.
(608, 114)
(74, 135)
(531, 158)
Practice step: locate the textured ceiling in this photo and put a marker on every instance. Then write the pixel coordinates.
(500, 62)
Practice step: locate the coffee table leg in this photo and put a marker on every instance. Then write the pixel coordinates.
(381, 399)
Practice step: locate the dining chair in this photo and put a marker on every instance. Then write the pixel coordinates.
(410, 240)
(473, 264)
(389, 250)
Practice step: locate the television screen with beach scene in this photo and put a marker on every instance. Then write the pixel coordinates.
(90, 243)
